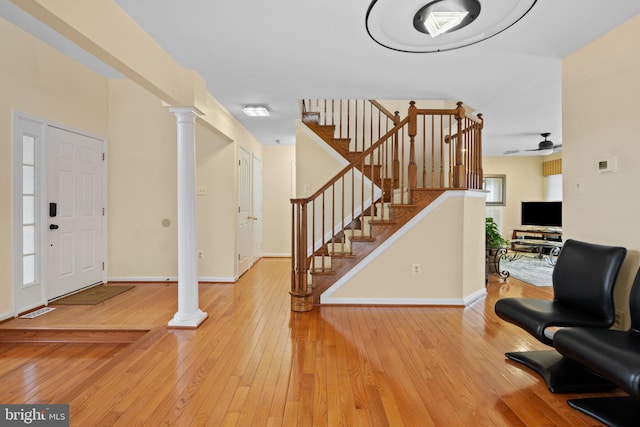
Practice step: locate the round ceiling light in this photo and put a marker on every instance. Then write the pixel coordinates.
(440, 25)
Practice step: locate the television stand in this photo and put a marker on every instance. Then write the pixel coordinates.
(538, 240)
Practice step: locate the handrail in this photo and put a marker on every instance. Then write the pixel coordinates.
(383, 109)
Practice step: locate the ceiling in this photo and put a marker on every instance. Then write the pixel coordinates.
(276, 52)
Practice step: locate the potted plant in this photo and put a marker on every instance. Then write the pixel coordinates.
(493, 243)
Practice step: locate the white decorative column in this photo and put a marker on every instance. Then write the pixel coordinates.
(189, 314)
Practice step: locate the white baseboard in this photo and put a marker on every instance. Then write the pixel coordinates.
(477, 295)
(394, 301)
(218, 279)
(276, 255)
(462, 302)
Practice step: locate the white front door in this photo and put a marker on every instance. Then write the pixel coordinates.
(74, 211)
(244, 210)
(256, 210)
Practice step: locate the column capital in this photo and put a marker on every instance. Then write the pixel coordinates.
(186, 112)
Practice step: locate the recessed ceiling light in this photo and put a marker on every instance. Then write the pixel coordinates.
(256, 111)
(440, 22)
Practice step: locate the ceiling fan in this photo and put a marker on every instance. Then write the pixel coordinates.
(545, 147)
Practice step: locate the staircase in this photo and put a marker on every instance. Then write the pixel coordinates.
(396, 168)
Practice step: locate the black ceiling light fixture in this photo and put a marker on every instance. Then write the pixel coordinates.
(424, 26)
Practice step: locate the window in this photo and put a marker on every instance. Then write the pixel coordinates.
(29, 239)
(496, 187)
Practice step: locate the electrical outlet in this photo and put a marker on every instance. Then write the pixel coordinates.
(415, 269)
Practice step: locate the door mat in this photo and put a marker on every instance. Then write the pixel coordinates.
(92, 296)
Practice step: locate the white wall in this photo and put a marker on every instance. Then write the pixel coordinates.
(600, 93)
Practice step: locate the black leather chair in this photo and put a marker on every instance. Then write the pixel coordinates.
(615, 355)
(582, 280)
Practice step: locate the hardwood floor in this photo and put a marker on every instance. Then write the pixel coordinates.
(253, 362)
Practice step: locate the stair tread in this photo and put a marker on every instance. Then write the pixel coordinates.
(363, 239)
(321, 273)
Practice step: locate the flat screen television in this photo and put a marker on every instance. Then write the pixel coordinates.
(543, 214)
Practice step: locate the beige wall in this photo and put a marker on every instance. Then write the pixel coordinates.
(447, 243)
(142, 185)
(143, 190)
(524, 183)
(39, 81)
(315, 163)
(279, 186)
(600, 94)
(216, 210)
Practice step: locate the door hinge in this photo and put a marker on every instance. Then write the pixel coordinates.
(103, 157)
(103, 266)
(102, 211)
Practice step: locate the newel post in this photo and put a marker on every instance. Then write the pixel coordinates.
(301, 297)
(459, 176)
(480, 171)
(412, 176)
(396, 157)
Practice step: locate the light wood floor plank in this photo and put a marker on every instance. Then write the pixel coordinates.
(253, 362)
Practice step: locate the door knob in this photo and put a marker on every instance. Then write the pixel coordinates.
(53, 226)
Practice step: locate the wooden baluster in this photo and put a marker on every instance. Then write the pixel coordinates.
(349, 119)
(413, 130)
(355, 119)
(340, 120)
(433, 143)
(313, 233)
(424, 151)
(342, 205)
(451, 159)
(333, 217)
(479, 153)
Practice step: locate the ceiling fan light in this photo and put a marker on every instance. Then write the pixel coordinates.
(440, 22)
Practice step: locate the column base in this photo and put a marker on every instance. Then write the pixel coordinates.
(301, 303)
(192, 321)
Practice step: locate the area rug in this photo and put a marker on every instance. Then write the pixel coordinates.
(529, 269)
(92, 296)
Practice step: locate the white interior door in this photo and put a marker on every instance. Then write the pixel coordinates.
(244, 211)
(256, 209)
(75, 211)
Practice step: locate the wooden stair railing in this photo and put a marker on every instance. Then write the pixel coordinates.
(381, 188)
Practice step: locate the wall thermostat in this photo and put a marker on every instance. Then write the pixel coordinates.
(607, 165)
